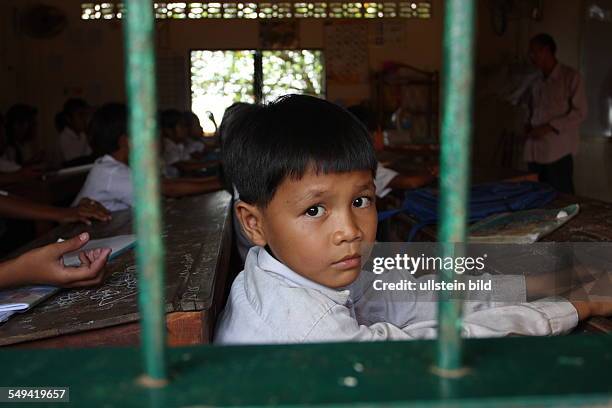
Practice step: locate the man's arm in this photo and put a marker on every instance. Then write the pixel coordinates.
(578, 107)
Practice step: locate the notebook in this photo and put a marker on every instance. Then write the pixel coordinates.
(521, 227)
(24, 298)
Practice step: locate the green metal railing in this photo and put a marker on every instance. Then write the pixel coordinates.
(142, 102)
(457, 89)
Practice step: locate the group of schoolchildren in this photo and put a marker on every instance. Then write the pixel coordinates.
(303, 175)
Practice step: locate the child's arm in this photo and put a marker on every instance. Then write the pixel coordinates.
(44, 266)
(190, 186)
(501, 312)
(85, 211)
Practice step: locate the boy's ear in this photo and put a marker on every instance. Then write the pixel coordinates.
(251, 219)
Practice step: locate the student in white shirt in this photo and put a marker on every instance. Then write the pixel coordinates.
(194, 143)
(305, 169)
(174, 136)
(176, 153)
(110, 180)
(73, 140)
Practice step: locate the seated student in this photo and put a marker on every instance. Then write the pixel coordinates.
(307, 201)
(177, 158)
(20, 128)
(73, 142)
(110, 180)
(194, 143)
(44, 266)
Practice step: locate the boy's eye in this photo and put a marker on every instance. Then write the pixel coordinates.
(362, 202)
(315, 211)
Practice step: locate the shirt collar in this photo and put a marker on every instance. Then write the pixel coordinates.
(107, 158)
(268, 263)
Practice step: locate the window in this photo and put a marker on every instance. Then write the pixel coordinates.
(265, 10)
(220, 78)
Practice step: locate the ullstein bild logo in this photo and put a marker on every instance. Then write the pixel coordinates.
(428, 263)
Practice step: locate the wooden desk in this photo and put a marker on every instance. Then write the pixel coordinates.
(197, 235)
(415, 161)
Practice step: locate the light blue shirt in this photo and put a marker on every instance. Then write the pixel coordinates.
(270, 303)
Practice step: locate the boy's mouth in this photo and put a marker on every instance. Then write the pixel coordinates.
(348, 262)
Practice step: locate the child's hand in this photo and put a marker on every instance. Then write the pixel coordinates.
(593, 298)
(86, 210)
(45, 265)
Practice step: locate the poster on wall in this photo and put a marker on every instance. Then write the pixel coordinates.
(278, 35)
(387, 33)
(346, 52)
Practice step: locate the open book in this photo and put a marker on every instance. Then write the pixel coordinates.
(24, 298)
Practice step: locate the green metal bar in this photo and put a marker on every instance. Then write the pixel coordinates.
(140, 74)
(458, 52)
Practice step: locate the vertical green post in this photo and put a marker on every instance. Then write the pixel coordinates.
(140, 76)
(457, 82)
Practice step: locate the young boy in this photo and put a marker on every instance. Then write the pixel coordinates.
(110, 180)
(304, 168)
(384, 180)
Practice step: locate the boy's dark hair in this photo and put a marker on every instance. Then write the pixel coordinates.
(74, 105)
(545, 40)
(266, 144)
(170, 118)
(232, 124)
(231, 114)
(107, 125)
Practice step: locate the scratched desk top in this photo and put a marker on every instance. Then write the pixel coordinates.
(193, 231)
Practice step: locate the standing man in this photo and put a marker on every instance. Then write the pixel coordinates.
(557, 107)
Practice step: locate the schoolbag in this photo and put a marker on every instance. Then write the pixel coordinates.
(484, 200)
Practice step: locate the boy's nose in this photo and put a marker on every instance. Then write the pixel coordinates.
(347, 230)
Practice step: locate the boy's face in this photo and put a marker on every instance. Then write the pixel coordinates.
(317, 225)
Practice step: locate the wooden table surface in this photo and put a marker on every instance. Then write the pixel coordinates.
(197, 237)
